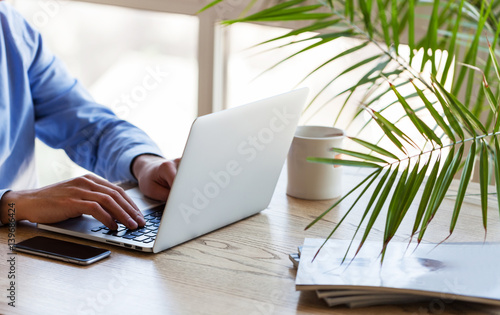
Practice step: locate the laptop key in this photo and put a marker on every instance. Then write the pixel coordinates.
(129, 236)
(149, 240)
(141, 238)
(151, 234)
(137, 233)
(97, 229)
(120, 233)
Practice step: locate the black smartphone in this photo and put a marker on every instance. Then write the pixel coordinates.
(62, 250)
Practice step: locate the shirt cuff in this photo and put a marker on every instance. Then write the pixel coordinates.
(126, 159)
(2, 192)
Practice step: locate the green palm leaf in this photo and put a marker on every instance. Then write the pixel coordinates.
(464, 182)
(483, 180)
(340, 55)
(378, 206)
(374, 147)
(451, 47)
(451, 114)
(320, 25)
(323, 39)
(441, 185)
(350, 69)
(374, 174)
(383, 21)
(208, 6)
(411, 28)
(360, 155)
(437, 117)
(468, 118)
(497, 168)
(426, 196)
(395, 24)
(343, 162)
(272, 11)
(424, 130)
(391, 129)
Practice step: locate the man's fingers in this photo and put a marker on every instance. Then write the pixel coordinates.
(123, 204)
(118, 189)
(177, 161)
(95, 209)
(168, 170)
(110, 205)
(115, 203)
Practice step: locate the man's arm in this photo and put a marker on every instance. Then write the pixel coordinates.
(66, 117)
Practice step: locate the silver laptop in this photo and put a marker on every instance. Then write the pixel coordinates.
(228, 172)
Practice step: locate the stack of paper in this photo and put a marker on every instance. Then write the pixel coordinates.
(457, 271)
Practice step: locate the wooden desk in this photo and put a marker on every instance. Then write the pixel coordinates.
(240, 269)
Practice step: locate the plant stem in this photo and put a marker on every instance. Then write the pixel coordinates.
(443, 147)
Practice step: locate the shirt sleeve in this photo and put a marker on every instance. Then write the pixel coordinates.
(67, 117)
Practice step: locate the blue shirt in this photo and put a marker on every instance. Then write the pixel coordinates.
(38, 98)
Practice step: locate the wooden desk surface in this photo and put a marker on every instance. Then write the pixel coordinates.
(240, 269)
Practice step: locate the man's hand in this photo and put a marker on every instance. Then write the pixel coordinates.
(88, 194)
(93, 195)
(155, 175)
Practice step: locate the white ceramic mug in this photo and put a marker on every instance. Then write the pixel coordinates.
(310, 180)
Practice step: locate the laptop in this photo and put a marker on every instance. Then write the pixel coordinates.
(229, 169)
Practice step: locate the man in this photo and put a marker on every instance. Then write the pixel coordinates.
(38, 98)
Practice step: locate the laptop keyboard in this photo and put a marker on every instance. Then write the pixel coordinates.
(146, 234)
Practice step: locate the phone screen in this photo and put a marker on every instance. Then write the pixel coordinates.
(62, 250)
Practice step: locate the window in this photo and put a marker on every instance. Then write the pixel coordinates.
(142, 64)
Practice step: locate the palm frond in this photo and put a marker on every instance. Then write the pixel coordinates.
(448, 108)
